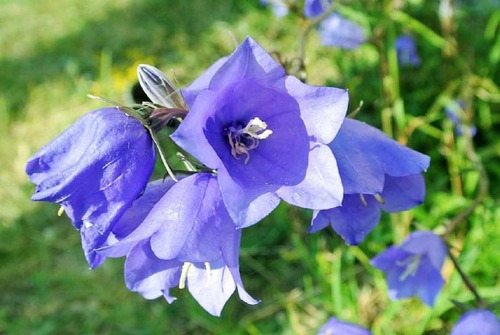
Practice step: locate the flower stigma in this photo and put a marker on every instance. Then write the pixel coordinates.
(411, 263)
(242, 140)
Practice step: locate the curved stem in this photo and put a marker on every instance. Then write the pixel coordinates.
(466, 280)
(162, 156)
(305, 31)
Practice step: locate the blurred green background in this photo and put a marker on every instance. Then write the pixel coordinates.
(54, 53)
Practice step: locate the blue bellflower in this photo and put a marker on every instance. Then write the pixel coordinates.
(335, 326)
(337, 31)
(455, 112)
(477, 322)
(313, 8)
(95, 170)
(378, 174)
(406, 50)
(265, 133)
(185, 239)
(414, 267)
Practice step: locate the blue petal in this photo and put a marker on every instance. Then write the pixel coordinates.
(340, 32)
(321, 108)
(245, 205)
(402, 193)
(321, 188)
(477, 322)
(365, 155)
(95, 170)
(149, 275)
(426, 282)
(202, 82)
(335, 326)
(131, 228)
(196, 225)
(353, 220)
(271, 162)
(428, 243)
(212, 289)
(189, 135)
(248, 60)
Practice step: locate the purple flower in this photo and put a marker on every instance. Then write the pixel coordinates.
(185, 239)
(339, 32)
(279, 7)
(455, 112)
(378, 174)
(335, 326)
(265, 133)
(477, 322)
(94, 170)
(407, 51)
(414, 267)
(313, 8)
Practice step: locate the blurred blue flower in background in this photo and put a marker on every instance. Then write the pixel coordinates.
(477, 322)
(335, 326)
(245, 114)
(183, 237)
(95, 170)
(414, 267)
(377, 174)
(407, 51)
(313, 8)
(279, 7)
(455, 112)
(340, 32)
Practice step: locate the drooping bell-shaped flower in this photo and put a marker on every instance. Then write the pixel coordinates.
(414, 267)
(265, 133)
(313, 8)
(95, 170)
(337, 31)
(335, 326)
(477, 321)
(186, 239)
(406, 50)
(378, 174)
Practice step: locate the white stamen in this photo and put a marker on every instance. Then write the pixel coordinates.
(257, 128)
(60, 211)
(185, 269)
(379, 198)
(411, 264)
(363, 200)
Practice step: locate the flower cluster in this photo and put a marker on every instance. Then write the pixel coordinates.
(259, 137)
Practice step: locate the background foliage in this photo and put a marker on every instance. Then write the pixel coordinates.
(53, 53)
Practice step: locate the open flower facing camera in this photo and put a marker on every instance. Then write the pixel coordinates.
(259, 136)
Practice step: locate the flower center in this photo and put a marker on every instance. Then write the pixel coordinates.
(243, 139)
(411, 263)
